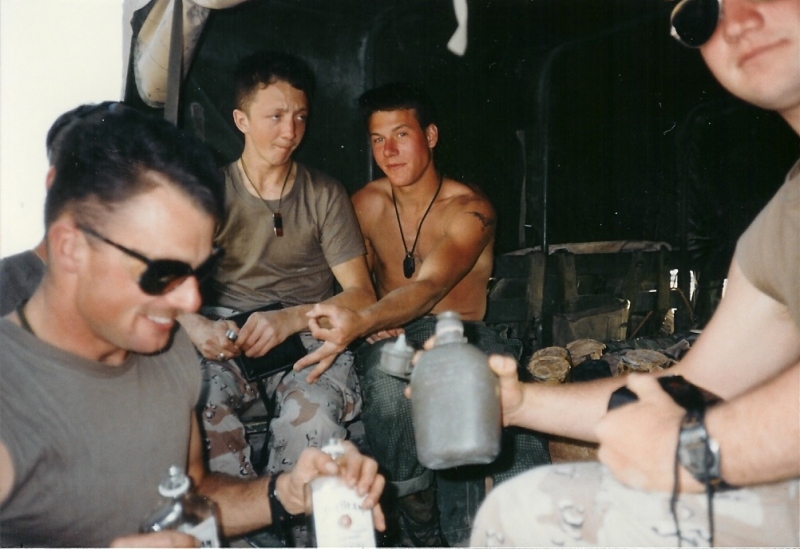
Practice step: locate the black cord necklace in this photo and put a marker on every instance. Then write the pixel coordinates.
(409, 266)
(23, 320)
(277, 218)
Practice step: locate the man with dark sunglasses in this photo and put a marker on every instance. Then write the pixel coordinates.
(98, 385)
(668, 475)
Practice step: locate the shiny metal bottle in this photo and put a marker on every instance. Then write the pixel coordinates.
(183, 510)
(455, 399)
(335, 514)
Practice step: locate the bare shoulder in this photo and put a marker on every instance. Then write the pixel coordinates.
(372, 193)
(370, 201)
(467, 202)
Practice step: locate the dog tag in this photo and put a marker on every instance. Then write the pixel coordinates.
(408, 266)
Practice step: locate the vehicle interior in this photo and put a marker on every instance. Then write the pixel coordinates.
(621, 171)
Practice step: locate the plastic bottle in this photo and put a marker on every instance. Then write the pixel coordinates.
(336, 517)
(396, 358)
(183, 510)
(455, 400)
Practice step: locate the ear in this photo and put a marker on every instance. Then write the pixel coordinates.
(432, 134)
(66, 245)
(241, 120)
(50, 177)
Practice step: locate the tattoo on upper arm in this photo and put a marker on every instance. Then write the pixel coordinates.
(485, 221)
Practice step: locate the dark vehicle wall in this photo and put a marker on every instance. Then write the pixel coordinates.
(581, 120)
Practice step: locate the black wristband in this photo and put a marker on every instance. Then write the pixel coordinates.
(277, 511)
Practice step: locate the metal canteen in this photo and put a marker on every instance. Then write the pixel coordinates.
(455, 400)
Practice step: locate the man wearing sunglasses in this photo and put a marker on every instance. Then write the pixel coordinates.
(98, 387)
(667, 475)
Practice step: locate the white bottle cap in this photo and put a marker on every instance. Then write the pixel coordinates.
(334, 448)
(176, 484)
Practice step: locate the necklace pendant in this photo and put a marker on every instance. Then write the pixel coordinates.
(277, 222)
(408, 266)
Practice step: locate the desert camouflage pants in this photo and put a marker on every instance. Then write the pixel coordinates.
(580, 504)
(304, 414)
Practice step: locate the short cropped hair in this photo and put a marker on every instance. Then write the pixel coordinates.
(104, 160)
(264, 67)
(68, 119)
(398, 96)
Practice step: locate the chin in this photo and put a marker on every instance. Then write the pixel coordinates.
(153, 345)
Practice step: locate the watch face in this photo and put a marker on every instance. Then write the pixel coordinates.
(699, 453)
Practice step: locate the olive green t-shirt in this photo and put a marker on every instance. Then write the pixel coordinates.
(89, 443)
(769, 250)
(320, 231)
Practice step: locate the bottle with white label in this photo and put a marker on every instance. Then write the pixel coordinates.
(182, 510)
(336, 516)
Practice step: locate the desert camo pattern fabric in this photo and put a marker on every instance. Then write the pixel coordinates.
(581, 504)
(304, 414)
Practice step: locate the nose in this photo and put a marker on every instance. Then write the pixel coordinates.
(186, 296)
(738, 17)
(389, 147)
(289, 128)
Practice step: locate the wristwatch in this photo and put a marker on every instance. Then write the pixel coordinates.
(698, 452)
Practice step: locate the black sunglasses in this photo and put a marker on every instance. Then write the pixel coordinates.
(694, 21)
(163, 275)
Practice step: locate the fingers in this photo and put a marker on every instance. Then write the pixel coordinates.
(361, 473)
(385, 334)
(315, 329)
(320, 369)
(259, 335)
(356, 470)
(319, 310)
(290, 486)
(217, 345)
(645, 386)
(503, 366)
(323, 357)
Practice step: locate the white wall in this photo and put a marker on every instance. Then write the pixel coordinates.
(54, 55)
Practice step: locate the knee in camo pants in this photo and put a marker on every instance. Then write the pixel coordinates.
(309, 414)
(225, 395)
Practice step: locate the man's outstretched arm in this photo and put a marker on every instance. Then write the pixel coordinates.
(357, 293)
(450, 260)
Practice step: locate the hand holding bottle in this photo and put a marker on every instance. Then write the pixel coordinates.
(356, 470)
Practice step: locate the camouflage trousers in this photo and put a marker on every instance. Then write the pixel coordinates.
(303, 414)
(580, 504)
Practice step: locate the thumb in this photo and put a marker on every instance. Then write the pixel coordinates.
(316, 311)
(503, 366)
(645, 386)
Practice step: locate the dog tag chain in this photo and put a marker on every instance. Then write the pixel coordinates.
(409, 264)
(277, 218)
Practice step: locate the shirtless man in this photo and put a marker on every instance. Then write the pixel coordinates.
(429, 247)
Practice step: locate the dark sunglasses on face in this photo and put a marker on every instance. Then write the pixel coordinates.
(694, 21)
(163, 275)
